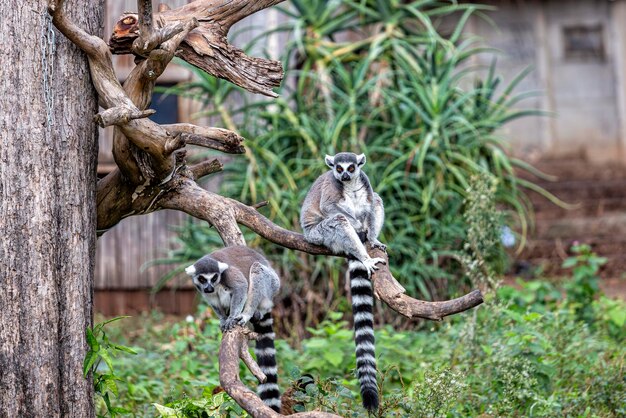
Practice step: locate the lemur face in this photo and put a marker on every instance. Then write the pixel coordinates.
(346, 166)
(206, 274)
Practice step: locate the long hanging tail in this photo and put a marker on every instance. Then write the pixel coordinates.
(265, 351)
(362, 306)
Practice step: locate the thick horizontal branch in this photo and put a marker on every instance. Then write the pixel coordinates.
(233, 347)
(198, 202)
(214, 55)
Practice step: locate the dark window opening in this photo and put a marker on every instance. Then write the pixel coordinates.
(166, 106)
(583, 43)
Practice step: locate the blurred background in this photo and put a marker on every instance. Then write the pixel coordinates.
(566, 60)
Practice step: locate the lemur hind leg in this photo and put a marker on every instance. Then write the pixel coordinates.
(375, 223)
(338, 234)
(263, 284)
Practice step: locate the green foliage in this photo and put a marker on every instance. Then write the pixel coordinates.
(102, 352)
(584, 287)
(525, 352)
(218, 405)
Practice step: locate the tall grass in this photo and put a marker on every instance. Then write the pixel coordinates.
(377, 77)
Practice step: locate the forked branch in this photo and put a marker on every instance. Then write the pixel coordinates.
(234, 345)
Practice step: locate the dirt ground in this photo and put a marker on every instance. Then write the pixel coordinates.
(597, 218)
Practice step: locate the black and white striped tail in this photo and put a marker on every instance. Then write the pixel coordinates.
(362, 306)
(266, 358)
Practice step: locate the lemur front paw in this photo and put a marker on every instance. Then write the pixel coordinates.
(241, 320)
(228, 324)
(370, 263)
(377, 244)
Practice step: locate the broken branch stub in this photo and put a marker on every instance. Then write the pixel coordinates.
(153, 174)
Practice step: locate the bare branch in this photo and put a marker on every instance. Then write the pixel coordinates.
(146, 41)
(205, 168)
(207, 47)
(213, 208)
(120, 116)
(90, 44)
(234, 344)
(214, 138)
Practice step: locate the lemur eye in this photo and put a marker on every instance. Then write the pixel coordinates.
(351, 168)
(339, 169)
(214, 279)
(202, 280)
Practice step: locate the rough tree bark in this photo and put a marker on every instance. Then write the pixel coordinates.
(48, 152)
(152, 173)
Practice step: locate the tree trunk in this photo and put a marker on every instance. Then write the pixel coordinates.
(48, 152)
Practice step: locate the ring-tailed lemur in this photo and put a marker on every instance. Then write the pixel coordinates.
(342, 212)
(239, 284)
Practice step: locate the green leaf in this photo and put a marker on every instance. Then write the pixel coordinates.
(618, 316)
(107, 358)
(569, 262)
(90, 359)
(165, 412)
(91, 340)
(123, 348)
(334, 355)
(111, 385)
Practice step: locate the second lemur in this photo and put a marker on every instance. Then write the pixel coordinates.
(342, 212)
(239, 284)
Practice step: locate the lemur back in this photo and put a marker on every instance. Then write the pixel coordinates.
(239, 284)
(342, 212)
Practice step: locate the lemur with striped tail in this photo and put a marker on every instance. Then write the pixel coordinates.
(343, 213)
(239, 284)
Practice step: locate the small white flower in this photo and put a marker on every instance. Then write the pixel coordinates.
(189, 318)
(507, 237)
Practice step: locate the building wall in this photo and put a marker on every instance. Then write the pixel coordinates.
(574, 48)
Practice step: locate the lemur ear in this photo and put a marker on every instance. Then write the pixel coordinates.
(330, 161)
(191, 270)
(360, 159)
(222, 266)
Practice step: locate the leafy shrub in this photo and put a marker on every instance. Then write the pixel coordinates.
(514, 356)
(101, 353)
(584, 286)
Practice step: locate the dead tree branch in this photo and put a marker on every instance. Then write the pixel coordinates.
(207, 47)
(234, 346)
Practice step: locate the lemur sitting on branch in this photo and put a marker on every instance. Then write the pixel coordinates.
(342, 212)
(239, 284)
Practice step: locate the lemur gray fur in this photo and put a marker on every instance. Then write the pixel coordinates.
(239, 284)
(343, 213)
